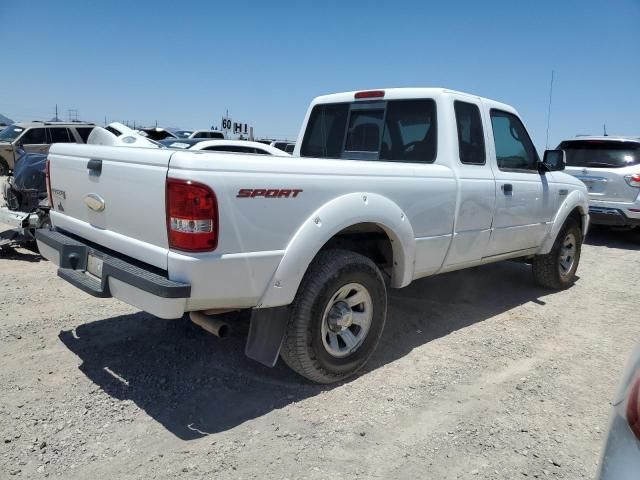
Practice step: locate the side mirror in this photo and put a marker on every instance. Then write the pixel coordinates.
(553, 160)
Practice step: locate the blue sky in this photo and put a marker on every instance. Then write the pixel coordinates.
(183, 63)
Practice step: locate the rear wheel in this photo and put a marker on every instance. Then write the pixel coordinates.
(337, 317)
(557, 269)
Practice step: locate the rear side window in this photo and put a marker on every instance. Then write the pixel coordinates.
(514, 149)
(470, 133)
(601, 153)
(325, 131)
(84, 133)
(60, 135)
(34, 136)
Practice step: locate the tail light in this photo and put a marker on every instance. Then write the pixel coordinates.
(48, 180)
(192, 216)
(369, 94)
(633, 180)
(633, 408)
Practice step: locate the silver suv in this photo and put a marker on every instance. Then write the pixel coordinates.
(610, 168)
(37, 137)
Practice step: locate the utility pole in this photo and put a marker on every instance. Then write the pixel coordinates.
(73, 114)
(105, 120)
(57, 119)
(549, 110)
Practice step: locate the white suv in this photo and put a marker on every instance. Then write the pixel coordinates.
(610, 168)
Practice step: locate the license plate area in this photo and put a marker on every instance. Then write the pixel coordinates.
(94, 265)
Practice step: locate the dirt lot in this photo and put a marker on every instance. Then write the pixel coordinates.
(480, 375)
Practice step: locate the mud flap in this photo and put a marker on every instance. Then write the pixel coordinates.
(266, 333)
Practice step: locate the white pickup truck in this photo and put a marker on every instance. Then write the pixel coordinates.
(385, 187)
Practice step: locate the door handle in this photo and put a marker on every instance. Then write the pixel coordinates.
(507, 188)
(95, 166)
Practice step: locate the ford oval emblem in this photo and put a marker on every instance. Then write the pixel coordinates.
(95, 202)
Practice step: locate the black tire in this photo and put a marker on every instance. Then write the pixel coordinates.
(547, 270)
(4, 167)
(303, 349)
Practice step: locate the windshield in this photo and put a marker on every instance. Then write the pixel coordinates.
(180, 143)
(10, 133)
(601, 153)
(183, 133)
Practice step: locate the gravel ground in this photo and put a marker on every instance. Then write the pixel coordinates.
(480, 374)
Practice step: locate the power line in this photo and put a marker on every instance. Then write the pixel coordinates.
(73, 114)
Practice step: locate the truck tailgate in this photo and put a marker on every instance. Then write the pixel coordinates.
(112, 196)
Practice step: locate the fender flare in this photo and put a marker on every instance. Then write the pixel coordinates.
(575, 199)
(333, 217)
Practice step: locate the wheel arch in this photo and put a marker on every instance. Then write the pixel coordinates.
(576, 205)
(367, 223)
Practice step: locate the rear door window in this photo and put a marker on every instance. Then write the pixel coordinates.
(34, 136)
(470, 133)
(601, 153)
(60, 135)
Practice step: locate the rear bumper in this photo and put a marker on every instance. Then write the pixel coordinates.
(612, 216)
(132, 282)
(18, 219)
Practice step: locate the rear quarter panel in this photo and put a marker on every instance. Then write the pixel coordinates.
(258, 232)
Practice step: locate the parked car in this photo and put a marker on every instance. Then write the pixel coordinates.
(213, 134)
(157, 133)
(238, 146)
(620, 458)
(610, 168)
(26, 203)
(35, 137)
(282, 145)
(182, 133)
(387, 186)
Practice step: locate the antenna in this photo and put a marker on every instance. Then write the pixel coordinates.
(549, 110)
(604, 128)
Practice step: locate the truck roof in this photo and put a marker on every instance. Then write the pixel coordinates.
(38, 123)
(406, 93)
(603, 138)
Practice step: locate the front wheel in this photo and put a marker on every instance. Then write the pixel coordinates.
(337, 317)
(557, 269)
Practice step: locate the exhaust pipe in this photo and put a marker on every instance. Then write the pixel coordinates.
(212, 325)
